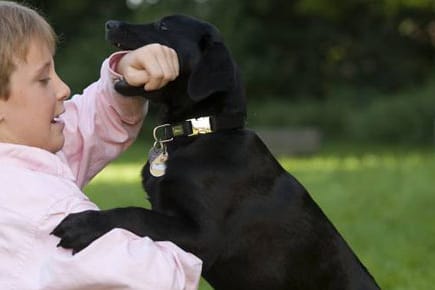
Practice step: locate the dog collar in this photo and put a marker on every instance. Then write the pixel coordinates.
(197, 126)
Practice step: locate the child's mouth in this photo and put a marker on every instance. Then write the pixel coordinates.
(57, 120)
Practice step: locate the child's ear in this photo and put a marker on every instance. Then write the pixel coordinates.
(215, 72)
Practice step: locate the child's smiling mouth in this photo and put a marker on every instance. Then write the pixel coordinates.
(57, 119)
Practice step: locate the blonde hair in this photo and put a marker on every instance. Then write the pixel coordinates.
(19, 25)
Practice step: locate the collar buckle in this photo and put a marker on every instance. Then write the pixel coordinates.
(200, 125)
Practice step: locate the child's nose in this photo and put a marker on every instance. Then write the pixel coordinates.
(63, 90)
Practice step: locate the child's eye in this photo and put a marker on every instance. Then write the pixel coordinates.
(44, 81)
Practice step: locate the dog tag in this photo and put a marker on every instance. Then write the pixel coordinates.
(154, 152)
(158, 165)
(157, 158)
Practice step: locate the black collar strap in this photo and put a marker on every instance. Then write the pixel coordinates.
(202, 125)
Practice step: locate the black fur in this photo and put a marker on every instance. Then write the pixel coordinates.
(224, 197)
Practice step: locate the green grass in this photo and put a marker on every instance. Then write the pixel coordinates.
(382, 200)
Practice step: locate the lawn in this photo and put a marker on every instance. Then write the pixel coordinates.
(382, 200)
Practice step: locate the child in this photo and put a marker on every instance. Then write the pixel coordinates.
(50, 148)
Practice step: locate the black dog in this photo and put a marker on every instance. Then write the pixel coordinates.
(215, 189)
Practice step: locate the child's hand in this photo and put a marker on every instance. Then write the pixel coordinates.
(151, 66)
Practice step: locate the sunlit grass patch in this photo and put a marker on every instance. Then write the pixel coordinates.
(118, 185)
(120, 172)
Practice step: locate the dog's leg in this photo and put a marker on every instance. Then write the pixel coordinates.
(78, 230)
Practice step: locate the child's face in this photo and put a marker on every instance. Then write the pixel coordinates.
(30, 115)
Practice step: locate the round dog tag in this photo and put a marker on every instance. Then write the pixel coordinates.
(154, 152)
(158, 165)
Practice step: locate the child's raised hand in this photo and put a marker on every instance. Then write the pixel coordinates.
(151, 66)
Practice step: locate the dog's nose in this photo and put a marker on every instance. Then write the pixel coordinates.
(112, 24)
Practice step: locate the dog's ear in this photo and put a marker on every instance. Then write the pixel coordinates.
(214, 72)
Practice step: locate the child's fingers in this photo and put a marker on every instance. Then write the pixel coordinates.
(172, 59)
(136, 77)
(151, 66)
(158, 74)
(160, 68)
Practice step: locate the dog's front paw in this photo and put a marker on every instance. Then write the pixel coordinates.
(78, 230)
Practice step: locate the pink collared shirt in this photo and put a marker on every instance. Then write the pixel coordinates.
(38, 189)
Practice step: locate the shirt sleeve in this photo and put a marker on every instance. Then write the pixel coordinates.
(100, 124)
(121, 260)
(117, 260)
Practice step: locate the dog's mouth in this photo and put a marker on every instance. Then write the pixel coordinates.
(121, 46)
(117, 39)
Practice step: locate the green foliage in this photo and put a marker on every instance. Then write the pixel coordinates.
(405, 119)
(294, 53)
(380, 199)
(286, 48)
(352, 115)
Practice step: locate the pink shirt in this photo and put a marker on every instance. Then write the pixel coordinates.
(38, 189)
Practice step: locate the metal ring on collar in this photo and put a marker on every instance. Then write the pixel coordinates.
(163, 139)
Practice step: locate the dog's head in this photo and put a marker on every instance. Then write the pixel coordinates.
(207, 70)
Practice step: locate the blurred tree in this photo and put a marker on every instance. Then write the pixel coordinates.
(305, 48)
(287, 49)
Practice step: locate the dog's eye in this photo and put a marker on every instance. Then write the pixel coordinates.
(163, 26)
